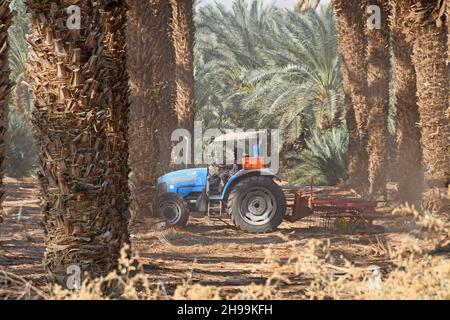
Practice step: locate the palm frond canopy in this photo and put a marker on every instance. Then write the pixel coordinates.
(262, 66)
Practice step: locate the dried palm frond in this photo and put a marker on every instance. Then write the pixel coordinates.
(14, 287)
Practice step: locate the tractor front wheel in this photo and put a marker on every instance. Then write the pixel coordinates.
(173, 209)
(257, 205)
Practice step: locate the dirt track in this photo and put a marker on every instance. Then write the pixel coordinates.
(209, 252)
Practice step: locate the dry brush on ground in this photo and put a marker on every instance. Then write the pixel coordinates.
(416, 268)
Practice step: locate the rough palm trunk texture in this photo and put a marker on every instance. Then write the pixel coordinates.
(80, 91)
(409, 166)
(183, 39)
(353, 136)
(378, 100)
(5, 87)
(448, 67)
(151, 65)
(429, 58)
(351, 23)
(447, 21)
(118, 106)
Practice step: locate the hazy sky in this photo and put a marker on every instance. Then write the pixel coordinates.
(281, 3)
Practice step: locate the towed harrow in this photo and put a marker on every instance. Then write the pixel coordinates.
(333, 207)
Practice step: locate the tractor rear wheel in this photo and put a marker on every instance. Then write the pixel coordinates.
(257, 205)
(173, 209)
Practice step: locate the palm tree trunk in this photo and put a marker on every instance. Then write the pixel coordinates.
(351, 23)
(448, 33)
(447, 21)
(183, 39)
(118, 108)
(151, 65)
(429, 58)
(80, 86)
(5, 87)
(408, 167)
(378, 100)
(448, 70)
(353, 136)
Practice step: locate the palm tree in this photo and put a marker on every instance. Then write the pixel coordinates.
(183, 41)
(151, 65)
(259, 66)
(5, 85)
(408, 167)
(352, 40)
(378, 100)
(229, 44)
(302, 77)
(80, 85)
(429, 57)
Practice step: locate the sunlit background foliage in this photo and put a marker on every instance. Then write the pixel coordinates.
(20, 145)
(256, 66)
(264, 67)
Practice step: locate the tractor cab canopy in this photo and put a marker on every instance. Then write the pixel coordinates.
(246, 141)
(239, 136)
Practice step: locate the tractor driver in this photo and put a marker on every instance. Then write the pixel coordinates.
(220, 174)
(218, 178)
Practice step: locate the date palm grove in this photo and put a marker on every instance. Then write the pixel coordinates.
(371, 101)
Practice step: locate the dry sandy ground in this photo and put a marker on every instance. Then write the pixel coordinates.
(208, 251)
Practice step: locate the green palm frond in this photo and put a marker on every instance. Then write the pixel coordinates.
(261, 66)
(325, 159)
(19, 143)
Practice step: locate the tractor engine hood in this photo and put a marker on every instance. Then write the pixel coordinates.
(183, 182)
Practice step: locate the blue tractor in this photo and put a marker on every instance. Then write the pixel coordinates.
(247, 193)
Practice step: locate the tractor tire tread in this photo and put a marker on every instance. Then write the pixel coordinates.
(184, 205)
(281, 204)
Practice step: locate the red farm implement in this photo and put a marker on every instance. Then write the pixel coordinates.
(331, 207)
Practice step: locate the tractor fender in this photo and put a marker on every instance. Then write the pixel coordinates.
(243, 174)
